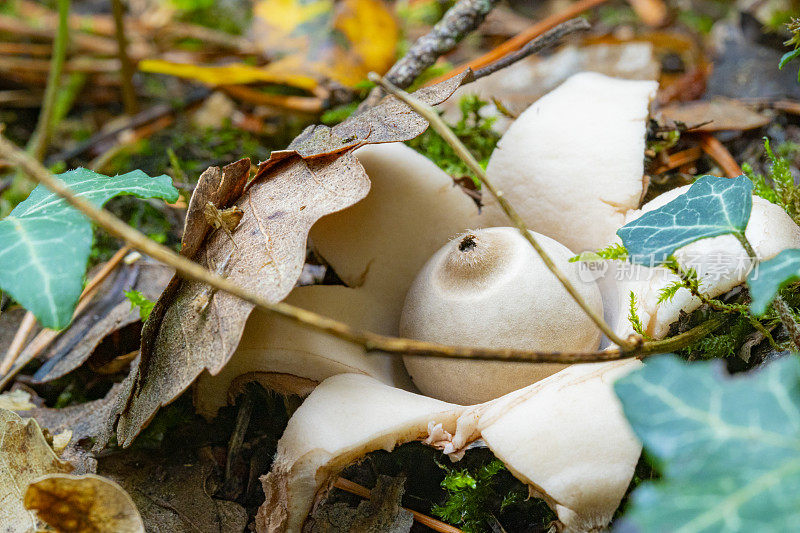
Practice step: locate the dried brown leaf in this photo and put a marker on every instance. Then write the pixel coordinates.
(200, 328)
(85, 422)
(389, 121)
(715, 115)
(111, 313)
(24, 456)
(83, 504)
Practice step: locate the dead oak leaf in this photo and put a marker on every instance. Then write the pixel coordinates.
(196, 328)
(83, 504)
(24, 456)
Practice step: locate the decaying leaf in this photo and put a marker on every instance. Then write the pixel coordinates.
(85, 425)
(16, 400)
(83, 504)
(172, 494)
(24, 456)
(109, 314)
(382, 513)
(715, 115)
(199, 329)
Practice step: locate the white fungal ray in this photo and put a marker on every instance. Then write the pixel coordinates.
(572, 164)
(565, 436)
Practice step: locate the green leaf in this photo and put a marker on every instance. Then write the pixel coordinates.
(711, 207)
(788, 56)
(139, 300)
(770, 276)
(45, 243)
(728, 448)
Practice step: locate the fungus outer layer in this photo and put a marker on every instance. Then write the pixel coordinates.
(293, 358)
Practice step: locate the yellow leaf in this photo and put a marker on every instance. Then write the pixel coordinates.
(372, 31)
(342, 40)
(287, 15)
(232, 74)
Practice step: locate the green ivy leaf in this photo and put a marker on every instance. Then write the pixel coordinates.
(45, 243)
(728, 448)
(711, 207)
(770, 276)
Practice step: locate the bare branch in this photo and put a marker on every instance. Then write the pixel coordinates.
(542, 42)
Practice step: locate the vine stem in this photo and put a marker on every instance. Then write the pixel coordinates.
(369, 340)
(447, 134)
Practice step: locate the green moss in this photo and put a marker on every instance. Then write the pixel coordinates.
(778, 186)
(633, 317)
(474, 131)
(477, 498)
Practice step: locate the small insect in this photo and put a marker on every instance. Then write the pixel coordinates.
(225, 219)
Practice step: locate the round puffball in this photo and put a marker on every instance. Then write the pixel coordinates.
(489, 288)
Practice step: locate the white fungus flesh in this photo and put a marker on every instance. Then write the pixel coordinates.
(293, 358)
(489, 288)
(721, 263)
(566, 437)
(572, 164)
(412, 209)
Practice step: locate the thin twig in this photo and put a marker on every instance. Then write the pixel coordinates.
(126, 70)
(18, 342)
(41, 135)
(717, 151)
(363, 492)
(519, 40)
(464, 154)
(369, 340)
(543, 42)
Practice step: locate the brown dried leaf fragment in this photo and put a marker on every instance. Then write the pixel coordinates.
(193, 328)
(265, 253)
(25, 456)
(83, 504)
(718, 114)
(389, 121)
